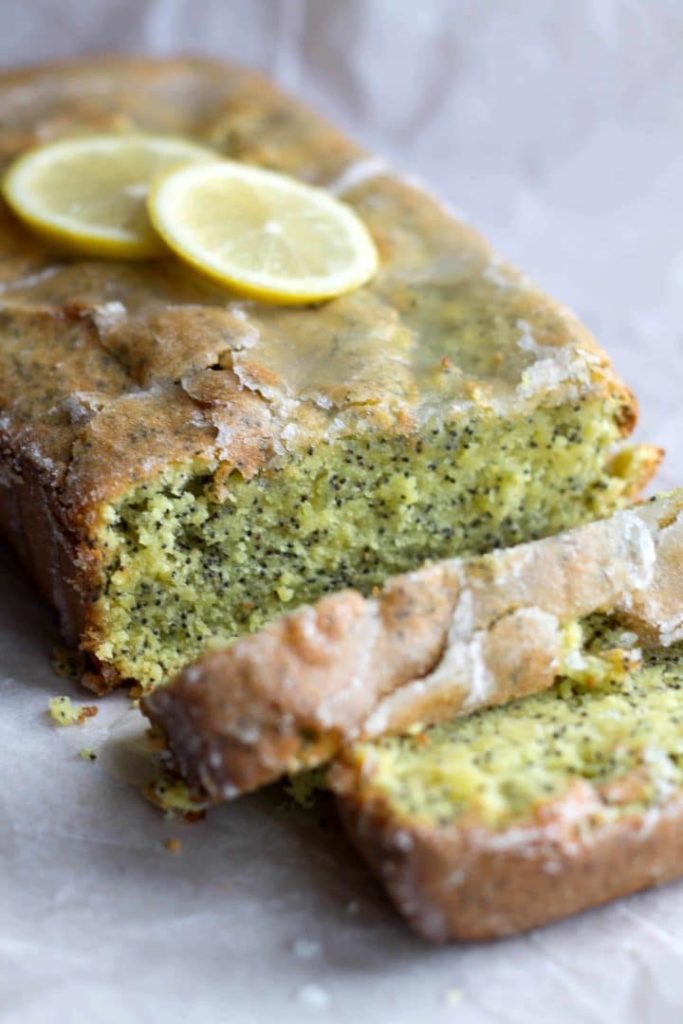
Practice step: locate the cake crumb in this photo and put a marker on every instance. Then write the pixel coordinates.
(63, 711)
(173, 845)
(314, 996)
(173, 796)
(304, 787)
(86, 754)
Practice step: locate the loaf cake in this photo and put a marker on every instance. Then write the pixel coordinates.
(178, 466)
(443, 640)
(520, 815)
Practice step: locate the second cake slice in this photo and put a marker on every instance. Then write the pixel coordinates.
(447, 639)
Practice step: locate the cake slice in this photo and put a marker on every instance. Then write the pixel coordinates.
(178, 466)
(443, 640)
(517, 816)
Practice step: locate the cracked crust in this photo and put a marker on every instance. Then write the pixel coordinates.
(111, 372)
(444, 640)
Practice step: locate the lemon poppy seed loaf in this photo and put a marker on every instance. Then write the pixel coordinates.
(179, 466)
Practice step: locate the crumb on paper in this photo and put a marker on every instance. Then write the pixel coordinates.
(453, 996)
(173, 845)
(303, 787)
(174, 797)
(313, 996)
(63, 711)
(67, 663)
(86, 754)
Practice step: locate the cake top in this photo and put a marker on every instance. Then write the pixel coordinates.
(139, 365)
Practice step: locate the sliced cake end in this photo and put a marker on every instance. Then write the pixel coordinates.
(518, 816)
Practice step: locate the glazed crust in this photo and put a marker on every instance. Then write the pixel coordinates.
(471, 883)
(444, 640)
(159, 368)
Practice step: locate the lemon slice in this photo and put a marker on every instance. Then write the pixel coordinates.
(90, 192)
(263, 234)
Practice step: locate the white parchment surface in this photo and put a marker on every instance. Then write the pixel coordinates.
(558, 128)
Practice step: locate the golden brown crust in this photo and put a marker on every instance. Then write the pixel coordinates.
(158, 367)
(444, 640)
(468, 883)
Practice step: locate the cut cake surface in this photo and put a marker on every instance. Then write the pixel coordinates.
(443, 640)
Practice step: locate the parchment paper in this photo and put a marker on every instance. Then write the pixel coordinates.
(558, 128)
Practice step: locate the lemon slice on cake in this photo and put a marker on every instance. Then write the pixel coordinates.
(262, 233)
(89, 192)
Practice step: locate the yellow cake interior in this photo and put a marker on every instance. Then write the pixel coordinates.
(616, 727)
(184, 569)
